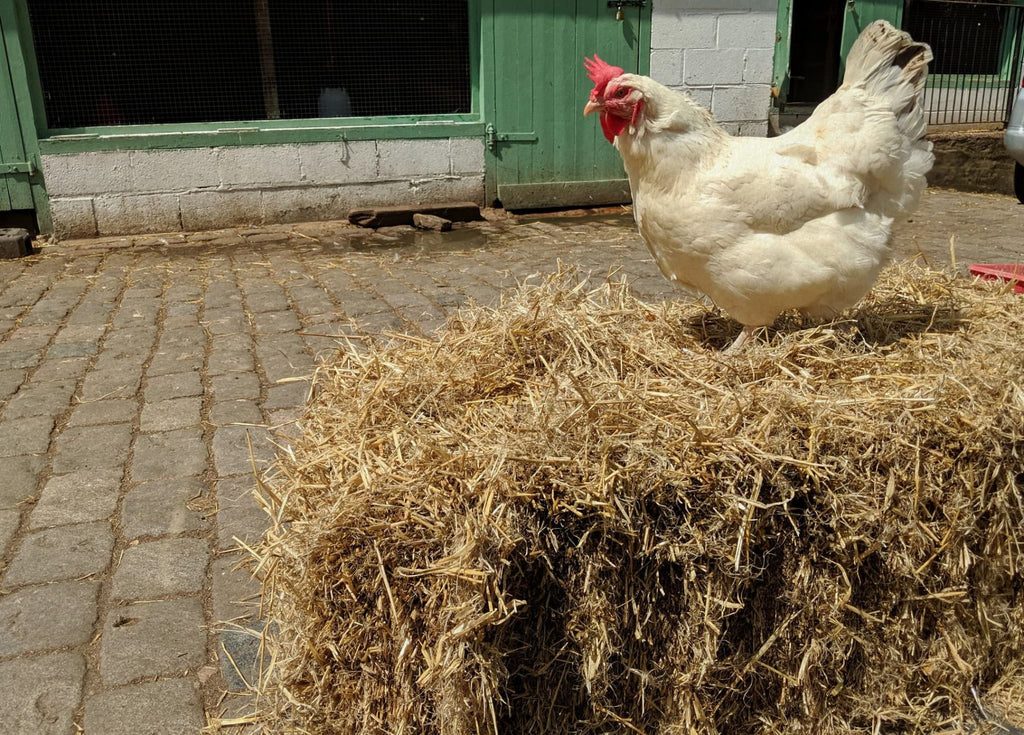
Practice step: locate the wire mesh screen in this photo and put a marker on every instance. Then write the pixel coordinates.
(977, 62)
(111, 62)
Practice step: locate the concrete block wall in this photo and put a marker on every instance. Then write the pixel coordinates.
(720, 52)
(124, 192)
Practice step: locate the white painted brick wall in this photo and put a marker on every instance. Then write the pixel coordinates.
(122, 192)
(721, 53)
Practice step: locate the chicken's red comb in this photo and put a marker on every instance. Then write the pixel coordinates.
(600, 73)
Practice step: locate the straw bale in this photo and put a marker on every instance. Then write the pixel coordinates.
(573, 514)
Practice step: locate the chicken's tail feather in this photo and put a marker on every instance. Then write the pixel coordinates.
(891, 66)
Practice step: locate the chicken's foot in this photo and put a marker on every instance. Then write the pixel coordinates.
(741, 339)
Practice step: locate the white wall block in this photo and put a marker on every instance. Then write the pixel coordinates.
(667, 66)
(173, 170)
(137, 213)
(258, 165)
(759, 66)
(205, 210)
(746, 30)
(343, 162)
(401, 159)
(467, 155)
(75, 174)
(73, 217)
(308, 204)
(682, 29)
(747, 103)
(713, 66)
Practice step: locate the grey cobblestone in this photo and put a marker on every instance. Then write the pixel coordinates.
(78, 497)
(41, 399)
(113, 411)
(164, 508)
(9, 521)
(91, 447)
(144, 639)
(223, 413)
(161, 568)
(234, 386)
(21, 475)
(65, 552)
(169, 414)
(173, 385)
(47, 617)
(179, 453)
(25, 435)
(41, 694)
(164, 707)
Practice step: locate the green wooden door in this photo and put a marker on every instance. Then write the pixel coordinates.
(541, 151)
(862, 13)
(15, 171)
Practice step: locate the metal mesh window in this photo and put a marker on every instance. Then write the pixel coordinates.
(111, 62)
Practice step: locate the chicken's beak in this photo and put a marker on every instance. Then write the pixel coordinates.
(591, 107)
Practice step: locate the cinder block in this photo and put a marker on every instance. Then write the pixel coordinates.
(759, 66)
(341, 162)
(303, 204)
(207, 210)
(713, 66)
(746, 103)
(254, 165)
(136, 213)
(747, 30)
(173, 170)
(667, 66)
(14, 243)
(677, 28)
(467, 155)
(73, 217)
(75, 174)
(403, 159)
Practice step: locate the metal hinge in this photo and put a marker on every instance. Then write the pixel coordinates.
(17, 167)
(627, 4)
(493, 137)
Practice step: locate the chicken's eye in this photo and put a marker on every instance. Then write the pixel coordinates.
(620, 93)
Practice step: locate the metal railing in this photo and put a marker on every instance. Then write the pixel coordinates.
(978, 52)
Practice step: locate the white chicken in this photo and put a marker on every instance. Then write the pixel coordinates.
(764, 225)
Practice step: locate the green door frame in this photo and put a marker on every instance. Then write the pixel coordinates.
(21, 63)
(489, 90)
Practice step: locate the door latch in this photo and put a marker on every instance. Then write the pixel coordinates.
(620, 4)
(492, 137)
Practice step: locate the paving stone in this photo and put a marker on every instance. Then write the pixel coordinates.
(61, 370)
(235, 593)
(113, 411)
(242, 656)
(161, 568)
(231, 454)
(9, 521)
(10, 381)
(179, 453)
(112, 380)
(11, 359)
(47, 617)
(276, 321)
(41, 694)
(91, 447)
(71, 349)
(166, 363)
(173, 413)
(146, 639)
(78, 497)
(163, 707)
(66, 552)
(165, 508)
(235, 412)
(287, 395)
(231, 354)
(21, 475)
(41, 399)
(25, 435)
(173, 385)
(239, 515)
(234, 386)
(129, 342)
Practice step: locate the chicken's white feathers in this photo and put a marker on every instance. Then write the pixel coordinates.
(800, 221)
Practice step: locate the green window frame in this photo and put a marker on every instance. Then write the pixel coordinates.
(252, 132)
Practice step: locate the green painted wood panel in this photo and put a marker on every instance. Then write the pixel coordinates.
(862, 13)
(16, 186)
(539, 91)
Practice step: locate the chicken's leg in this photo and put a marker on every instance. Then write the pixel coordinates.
(741, 339)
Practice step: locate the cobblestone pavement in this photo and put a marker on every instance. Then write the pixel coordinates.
(135, 373)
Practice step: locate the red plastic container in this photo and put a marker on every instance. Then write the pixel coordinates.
(1003, 272)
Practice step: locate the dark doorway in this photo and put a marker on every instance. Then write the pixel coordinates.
(815, 42)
